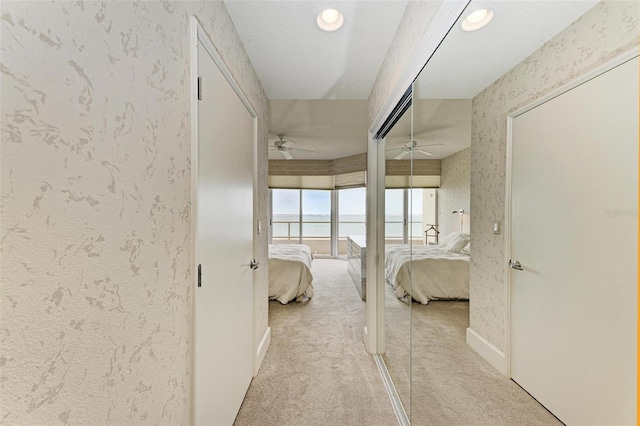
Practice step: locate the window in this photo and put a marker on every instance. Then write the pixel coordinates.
(416, 197)
(394, 216)
(316, 221)
(415, 207)
(285, 215)
(352, 213)
(302, 216)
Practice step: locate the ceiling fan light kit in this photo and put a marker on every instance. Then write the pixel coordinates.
(412, 146)
(285, 147)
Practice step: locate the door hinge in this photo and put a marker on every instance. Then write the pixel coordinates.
(200, 275)
(377, 259)
(199, 88)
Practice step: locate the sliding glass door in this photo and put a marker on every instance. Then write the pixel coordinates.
(352, 212)
(316, 221)
(394, 216)
(408, 213)
(415, 215)
(285, 216)
(320, 219)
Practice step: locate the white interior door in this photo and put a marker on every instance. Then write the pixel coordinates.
(224, 302)
(574, 230)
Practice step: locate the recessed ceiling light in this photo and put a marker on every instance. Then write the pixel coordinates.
(330, 20)
(477, 20)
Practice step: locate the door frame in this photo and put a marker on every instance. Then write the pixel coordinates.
(624, 57)
(197, 35)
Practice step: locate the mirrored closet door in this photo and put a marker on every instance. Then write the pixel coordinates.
(439, 377)
(399, 233)
(440, 357)
(427, 251)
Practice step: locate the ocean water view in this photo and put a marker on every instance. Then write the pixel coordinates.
(319, 225)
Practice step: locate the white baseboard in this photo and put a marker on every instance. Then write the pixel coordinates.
(486, 350)
(263, 347)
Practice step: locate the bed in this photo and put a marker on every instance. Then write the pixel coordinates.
(438, 272)
(290, 272)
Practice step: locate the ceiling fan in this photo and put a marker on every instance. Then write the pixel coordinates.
(412, 146)
(285, 147)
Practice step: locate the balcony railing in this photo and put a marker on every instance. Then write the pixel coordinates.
(321, 244)
(296, 235)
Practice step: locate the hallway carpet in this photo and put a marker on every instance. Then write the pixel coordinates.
(317, 371)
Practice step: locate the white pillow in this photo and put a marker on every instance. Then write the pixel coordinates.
(458, 244)
(452, 236)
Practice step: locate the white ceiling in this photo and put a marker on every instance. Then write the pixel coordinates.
(294, 59)
(467, 62)
(336, 129)
(332, 129)
(314, 78)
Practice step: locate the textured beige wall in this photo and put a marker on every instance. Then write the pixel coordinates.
(603, 33)
(96, 298)
(454, 192)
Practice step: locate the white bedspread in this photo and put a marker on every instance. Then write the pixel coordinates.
(289, 272)
(438, 274)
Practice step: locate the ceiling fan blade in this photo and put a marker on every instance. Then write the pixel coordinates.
(300, 149)
(401, 155)
(394, 149)
(422, 152)
(287, 155)
(432, 144)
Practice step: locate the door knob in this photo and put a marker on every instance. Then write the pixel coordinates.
(515, 265)
(254, 265)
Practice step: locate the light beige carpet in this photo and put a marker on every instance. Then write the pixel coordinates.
(317, 371)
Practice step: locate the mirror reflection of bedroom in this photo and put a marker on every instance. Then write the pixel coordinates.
(428, 253)
(427, 226)
(427, 278)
